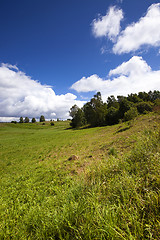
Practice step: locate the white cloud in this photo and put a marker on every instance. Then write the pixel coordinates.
(22, 96)
(135, 66)
(132, 76)
(144, 32)
(89, 84)
(108, 25)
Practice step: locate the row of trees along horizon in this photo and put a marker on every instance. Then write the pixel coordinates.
(26, 120)
(98, 113)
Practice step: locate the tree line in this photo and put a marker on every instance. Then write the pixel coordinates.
(26, 120)
(98, 113)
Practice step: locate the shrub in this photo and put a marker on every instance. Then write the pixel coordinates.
(144, 107)
(130, 114)
(52, 123)
(14, 122)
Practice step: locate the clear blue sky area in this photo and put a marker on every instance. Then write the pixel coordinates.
(53, 42)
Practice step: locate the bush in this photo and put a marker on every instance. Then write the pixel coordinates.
(52, 123)
(130, 114)
(144, 107)
(14, 122)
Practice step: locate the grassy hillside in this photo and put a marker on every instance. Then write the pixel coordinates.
(95, 183)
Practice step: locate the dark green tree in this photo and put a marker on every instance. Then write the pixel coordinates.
(79, 119)
(134, 98)
(124, 105)
(112, 102)
(26, 120)
(144, 107)
(42, 118)
(95, 111)
(33, 120)
(154, 95)
(144, 96)
(21, 120)
(112, 116)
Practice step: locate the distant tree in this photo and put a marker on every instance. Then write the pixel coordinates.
(33, 120)
(42, 118)
(26, 120)
(21, 120)
(52, 123)
(14, 122)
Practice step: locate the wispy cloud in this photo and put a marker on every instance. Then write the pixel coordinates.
(130, 77)
(108, 25)
(23, 96)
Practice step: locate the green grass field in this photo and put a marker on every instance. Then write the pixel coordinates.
(109, 190)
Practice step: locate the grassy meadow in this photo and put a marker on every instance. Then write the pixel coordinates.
(93, 183)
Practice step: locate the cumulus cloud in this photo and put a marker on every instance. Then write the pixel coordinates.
(144, 32)
(132, 76)
(135, 66)
(108, 25)
(89, 84)
(23, 96)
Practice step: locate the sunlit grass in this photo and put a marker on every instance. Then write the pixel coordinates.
(110, 191)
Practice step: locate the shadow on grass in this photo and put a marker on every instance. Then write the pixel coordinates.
(123, 129)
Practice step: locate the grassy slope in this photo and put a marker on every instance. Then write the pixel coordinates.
(111, 191)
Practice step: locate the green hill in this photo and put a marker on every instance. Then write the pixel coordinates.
(93, 183)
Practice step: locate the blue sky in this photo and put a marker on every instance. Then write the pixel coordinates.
(57, 53)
